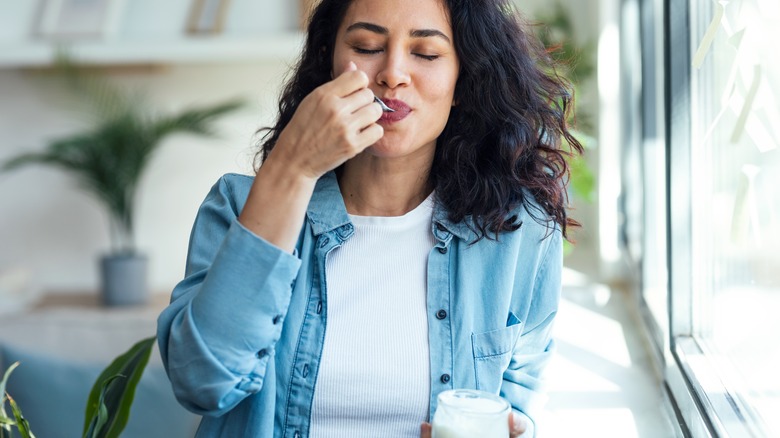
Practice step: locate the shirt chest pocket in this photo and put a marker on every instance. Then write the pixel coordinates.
(493, 352)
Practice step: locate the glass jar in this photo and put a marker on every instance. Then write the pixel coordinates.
(467, 413)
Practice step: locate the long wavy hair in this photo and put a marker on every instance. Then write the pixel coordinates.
(506, 140)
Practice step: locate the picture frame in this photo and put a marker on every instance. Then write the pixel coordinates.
(78, 19)
(207, 16)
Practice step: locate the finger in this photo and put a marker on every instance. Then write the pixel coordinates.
(370, 135)
(358, 100)
(365, 116)
(347, 83)
(425, 430)
(517, 425)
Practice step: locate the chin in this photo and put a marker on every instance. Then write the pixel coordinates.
(396, 148)
(384, 151)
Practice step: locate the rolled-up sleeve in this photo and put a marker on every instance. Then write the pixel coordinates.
(219, 331)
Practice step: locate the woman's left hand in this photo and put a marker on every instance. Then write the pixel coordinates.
(517, 427)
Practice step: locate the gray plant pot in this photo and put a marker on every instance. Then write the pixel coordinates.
(123, 279)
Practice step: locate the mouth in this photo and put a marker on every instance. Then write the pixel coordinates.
(401, 111)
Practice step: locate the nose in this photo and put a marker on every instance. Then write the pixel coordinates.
(394, 71)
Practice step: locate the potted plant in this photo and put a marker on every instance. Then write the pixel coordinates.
(108, 158)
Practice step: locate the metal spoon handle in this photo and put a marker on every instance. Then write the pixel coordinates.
(385, 108)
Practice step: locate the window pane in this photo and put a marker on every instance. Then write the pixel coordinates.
(736, 205)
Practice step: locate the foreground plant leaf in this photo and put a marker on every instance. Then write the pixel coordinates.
(108, 406)
(21, 424)
(99, 422)
(5, 424)
(5, 421)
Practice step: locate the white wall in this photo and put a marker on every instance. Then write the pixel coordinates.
(49, 226)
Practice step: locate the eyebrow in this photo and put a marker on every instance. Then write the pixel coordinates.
(417, 33)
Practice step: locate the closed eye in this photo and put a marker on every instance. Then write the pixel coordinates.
(363, 51)
(427, 57)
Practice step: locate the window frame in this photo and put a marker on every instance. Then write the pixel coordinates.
(706, 407)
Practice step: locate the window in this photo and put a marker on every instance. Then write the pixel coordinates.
(735, 207)
(713, 230)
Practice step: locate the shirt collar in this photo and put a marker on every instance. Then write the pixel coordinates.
(327, 212)
(459, 229)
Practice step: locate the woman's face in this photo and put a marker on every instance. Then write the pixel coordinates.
(406, 49)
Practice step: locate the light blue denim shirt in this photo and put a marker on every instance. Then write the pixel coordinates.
(242, 338)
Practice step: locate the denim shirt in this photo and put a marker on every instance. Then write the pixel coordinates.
(242, 337)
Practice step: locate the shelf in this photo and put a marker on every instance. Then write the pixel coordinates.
(191, 50)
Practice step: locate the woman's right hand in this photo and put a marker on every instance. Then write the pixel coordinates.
(332, 124)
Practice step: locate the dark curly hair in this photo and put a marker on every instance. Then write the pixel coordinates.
(507, 136)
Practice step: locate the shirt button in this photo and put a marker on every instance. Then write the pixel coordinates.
(443, 250)
(445, 378)
(441, 314)
(276, 319)
(305, 371)
(262, 353)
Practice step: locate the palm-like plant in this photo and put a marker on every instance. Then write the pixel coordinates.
(109, 159)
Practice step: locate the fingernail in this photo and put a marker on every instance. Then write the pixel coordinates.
(351, 66)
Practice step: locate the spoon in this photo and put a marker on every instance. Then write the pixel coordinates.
(385, 108)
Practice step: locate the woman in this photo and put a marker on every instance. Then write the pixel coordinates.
(427, 240)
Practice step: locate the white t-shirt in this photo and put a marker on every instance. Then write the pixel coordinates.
(374, 375)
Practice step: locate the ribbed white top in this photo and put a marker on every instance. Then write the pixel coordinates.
(374, 377)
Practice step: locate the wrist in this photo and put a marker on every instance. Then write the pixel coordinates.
(276, 205)
(289, 158)
(285, 174)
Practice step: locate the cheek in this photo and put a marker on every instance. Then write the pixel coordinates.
(442, 91)
(443, 96)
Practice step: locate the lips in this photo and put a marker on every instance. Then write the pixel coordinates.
(401, 111)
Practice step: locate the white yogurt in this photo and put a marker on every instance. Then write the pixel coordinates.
(465, 413)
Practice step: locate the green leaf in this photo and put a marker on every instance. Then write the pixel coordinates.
(21, 423)
(568, 248)
(99, 421)
(5, 425)
(583, 181)
(196, 120)
(111, 397)
(7, 374)
(5, 431)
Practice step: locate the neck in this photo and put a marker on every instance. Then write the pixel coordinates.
(373, 186)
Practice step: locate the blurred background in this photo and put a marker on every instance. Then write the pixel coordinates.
(667, 323)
